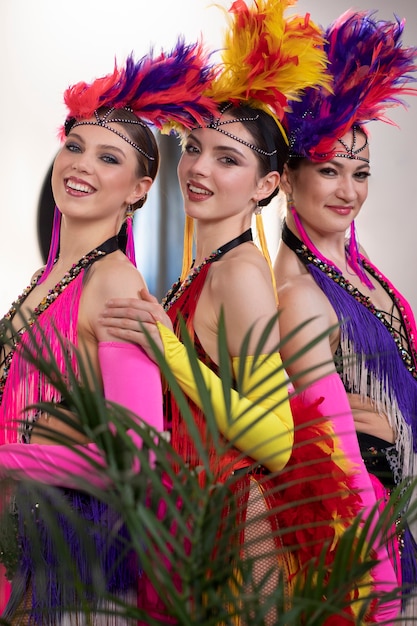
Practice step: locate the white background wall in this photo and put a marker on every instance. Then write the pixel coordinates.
(45, 45)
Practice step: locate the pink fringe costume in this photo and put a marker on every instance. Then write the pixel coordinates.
(130, 379)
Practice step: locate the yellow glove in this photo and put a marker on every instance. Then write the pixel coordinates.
(264, 430)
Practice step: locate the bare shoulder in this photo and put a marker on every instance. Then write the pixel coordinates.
(301, 289)
(111, 277)
(241, 284)
(301, 299)
(244, 274)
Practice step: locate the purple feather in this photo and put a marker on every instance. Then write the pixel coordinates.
(371, 71)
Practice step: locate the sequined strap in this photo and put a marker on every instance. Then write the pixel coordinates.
(402, 334)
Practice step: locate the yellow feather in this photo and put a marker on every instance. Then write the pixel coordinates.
(268, 59)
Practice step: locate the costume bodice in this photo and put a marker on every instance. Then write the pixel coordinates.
(182, 305)
(377, 355)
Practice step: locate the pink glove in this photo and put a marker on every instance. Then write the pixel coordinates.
(131, 379)
(52, 464)
(335, 406)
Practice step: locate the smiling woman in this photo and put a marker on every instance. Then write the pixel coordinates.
(102, 173)
(368, 360)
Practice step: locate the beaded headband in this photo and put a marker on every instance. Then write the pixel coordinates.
(351, 153)
(370, 69)
(216, 123)
(104, 122)
(266, 61)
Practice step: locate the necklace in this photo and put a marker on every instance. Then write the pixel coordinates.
(110, 245)
(403, 337)
(179, 287)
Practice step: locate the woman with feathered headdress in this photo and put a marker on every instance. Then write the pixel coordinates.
(101, 175)
(231, 168)
(320, 275)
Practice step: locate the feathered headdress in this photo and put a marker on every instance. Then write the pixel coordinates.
(370, 70)
(268, 60)
(164, 91)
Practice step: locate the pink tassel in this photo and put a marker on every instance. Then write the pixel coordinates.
(130, 241)
(54, 246)
(354, 259)
(307, 241)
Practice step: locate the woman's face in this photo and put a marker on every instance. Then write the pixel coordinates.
(330, 194)
(219, 176)
(94, 176)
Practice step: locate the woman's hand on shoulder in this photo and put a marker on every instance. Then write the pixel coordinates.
(127, 319)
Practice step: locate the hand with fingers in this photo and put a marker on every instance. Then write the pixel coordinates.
(126, 319)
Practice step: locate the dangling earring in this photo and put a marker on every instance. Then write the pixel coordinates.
(54, 245)
(290, 204)
(187, 253)
(258, 209)
(264, 248)
(130, 241)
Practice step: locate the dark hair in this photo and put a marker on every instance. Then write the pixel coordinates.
(267, 136)
(294, 162)
(140, 135)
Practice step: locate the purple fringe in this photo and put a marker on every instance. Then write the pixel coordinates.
(370, 337)
(408, 563)
(100, 560)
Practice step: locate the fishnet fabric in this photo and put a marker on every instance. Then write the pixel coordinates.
(260, 545)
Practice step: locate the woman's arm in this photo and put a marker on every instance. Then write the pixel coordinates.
(262, 429)
(322, 388)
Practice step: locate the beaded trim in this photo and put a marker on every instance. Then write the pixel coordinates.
(110, 245)
(102, 121)
(179, 286)
(409, 357)
(52, 294)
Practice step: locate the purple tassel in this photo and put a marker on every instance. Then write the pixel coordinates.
(408, 563)
(54, 246)
(130, 241)
(98, 543)
(370, 338)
